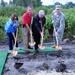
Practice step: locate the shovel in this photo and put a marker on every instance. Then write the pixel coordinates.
(14, 52)
(41, 45)
(57, 47)
(31, 43)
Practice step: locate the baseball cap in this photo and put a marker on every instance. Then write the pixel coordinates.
(57, 7)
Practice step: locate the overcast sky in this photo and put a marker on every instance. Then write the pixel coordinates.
(50, 2)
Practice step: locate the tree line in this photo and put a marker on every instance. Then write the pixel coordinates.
(34, 3)
(23, 3)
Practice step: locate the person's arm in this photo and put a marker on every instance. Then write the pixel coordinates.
(29, 28)
(62, 24)
(12, 29)
(44, 21)
(54, 22)
(16, 24)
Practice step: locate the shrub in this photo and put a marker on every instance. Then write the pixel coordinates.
(5, 13)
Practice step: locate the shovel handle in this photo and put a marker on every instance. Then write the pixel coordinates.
(41, 40)
(56, 36)
(16, 38)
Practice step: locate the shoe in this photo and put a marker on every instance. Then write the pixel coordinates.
(54, 46)
(27, 51)
(58, 47)
(35, 54)
(31, 54)
(36, 51)
(30, 47)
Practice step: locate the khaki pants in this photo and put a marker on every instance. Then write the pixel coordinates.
(25, 36)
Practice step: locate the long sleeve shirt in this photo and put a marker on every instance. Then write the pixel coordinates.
(10, 26)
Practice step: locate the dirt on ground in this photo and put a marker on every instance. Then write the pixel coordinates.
(49, 63)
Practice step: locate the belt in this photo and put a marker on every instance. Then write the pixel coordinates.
(23, 26)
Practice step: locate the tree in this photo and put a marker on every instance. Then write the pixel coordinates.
(25, 3)
(10, 2)
(57, 3)
(69, 5)
(2, 3)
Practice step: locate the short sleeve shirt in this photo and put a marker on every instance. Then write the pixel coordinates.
(26, 18)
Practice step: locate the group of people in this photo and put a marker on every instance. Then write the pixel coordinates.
(33, 25)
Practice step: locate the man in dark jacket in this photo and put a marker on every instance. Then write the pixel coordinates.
(38, 23)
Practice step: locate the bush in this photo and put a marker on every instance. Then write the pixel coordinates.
(5, 13)
(70, 25)
(3, 20)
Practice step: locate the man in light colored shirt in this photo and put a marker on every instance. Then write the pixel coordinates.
(58, 20)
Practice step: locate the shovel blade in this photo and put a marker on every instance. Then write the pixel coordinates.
(32, 44)
(14, 52)
(41, 47)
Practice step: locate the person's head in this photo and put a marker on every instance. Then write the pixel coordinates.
(14, 17)
(41, 13)
(57, 8)
(29, 9)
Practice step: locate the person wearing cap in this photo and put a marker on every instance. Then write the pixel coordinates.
(10, 29)
(26, 31)
(38, 23)
(58, 20)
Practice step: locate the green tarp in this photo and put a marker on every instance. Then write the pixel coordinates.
(47, 49)
(4, 54)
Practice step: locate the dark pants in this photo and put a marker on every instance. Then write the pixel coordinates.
(11, 40)
(37, 40)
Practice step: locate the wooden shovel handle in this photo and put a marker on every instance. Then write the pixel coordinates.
(16, 37)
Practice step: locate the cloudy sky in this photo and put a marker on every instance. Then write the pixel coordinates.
(50, 2)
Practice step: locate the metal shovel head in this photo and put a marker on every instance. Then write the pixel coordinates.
(41, 47)
(58, 47)
(31, 44)
(14, 52)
